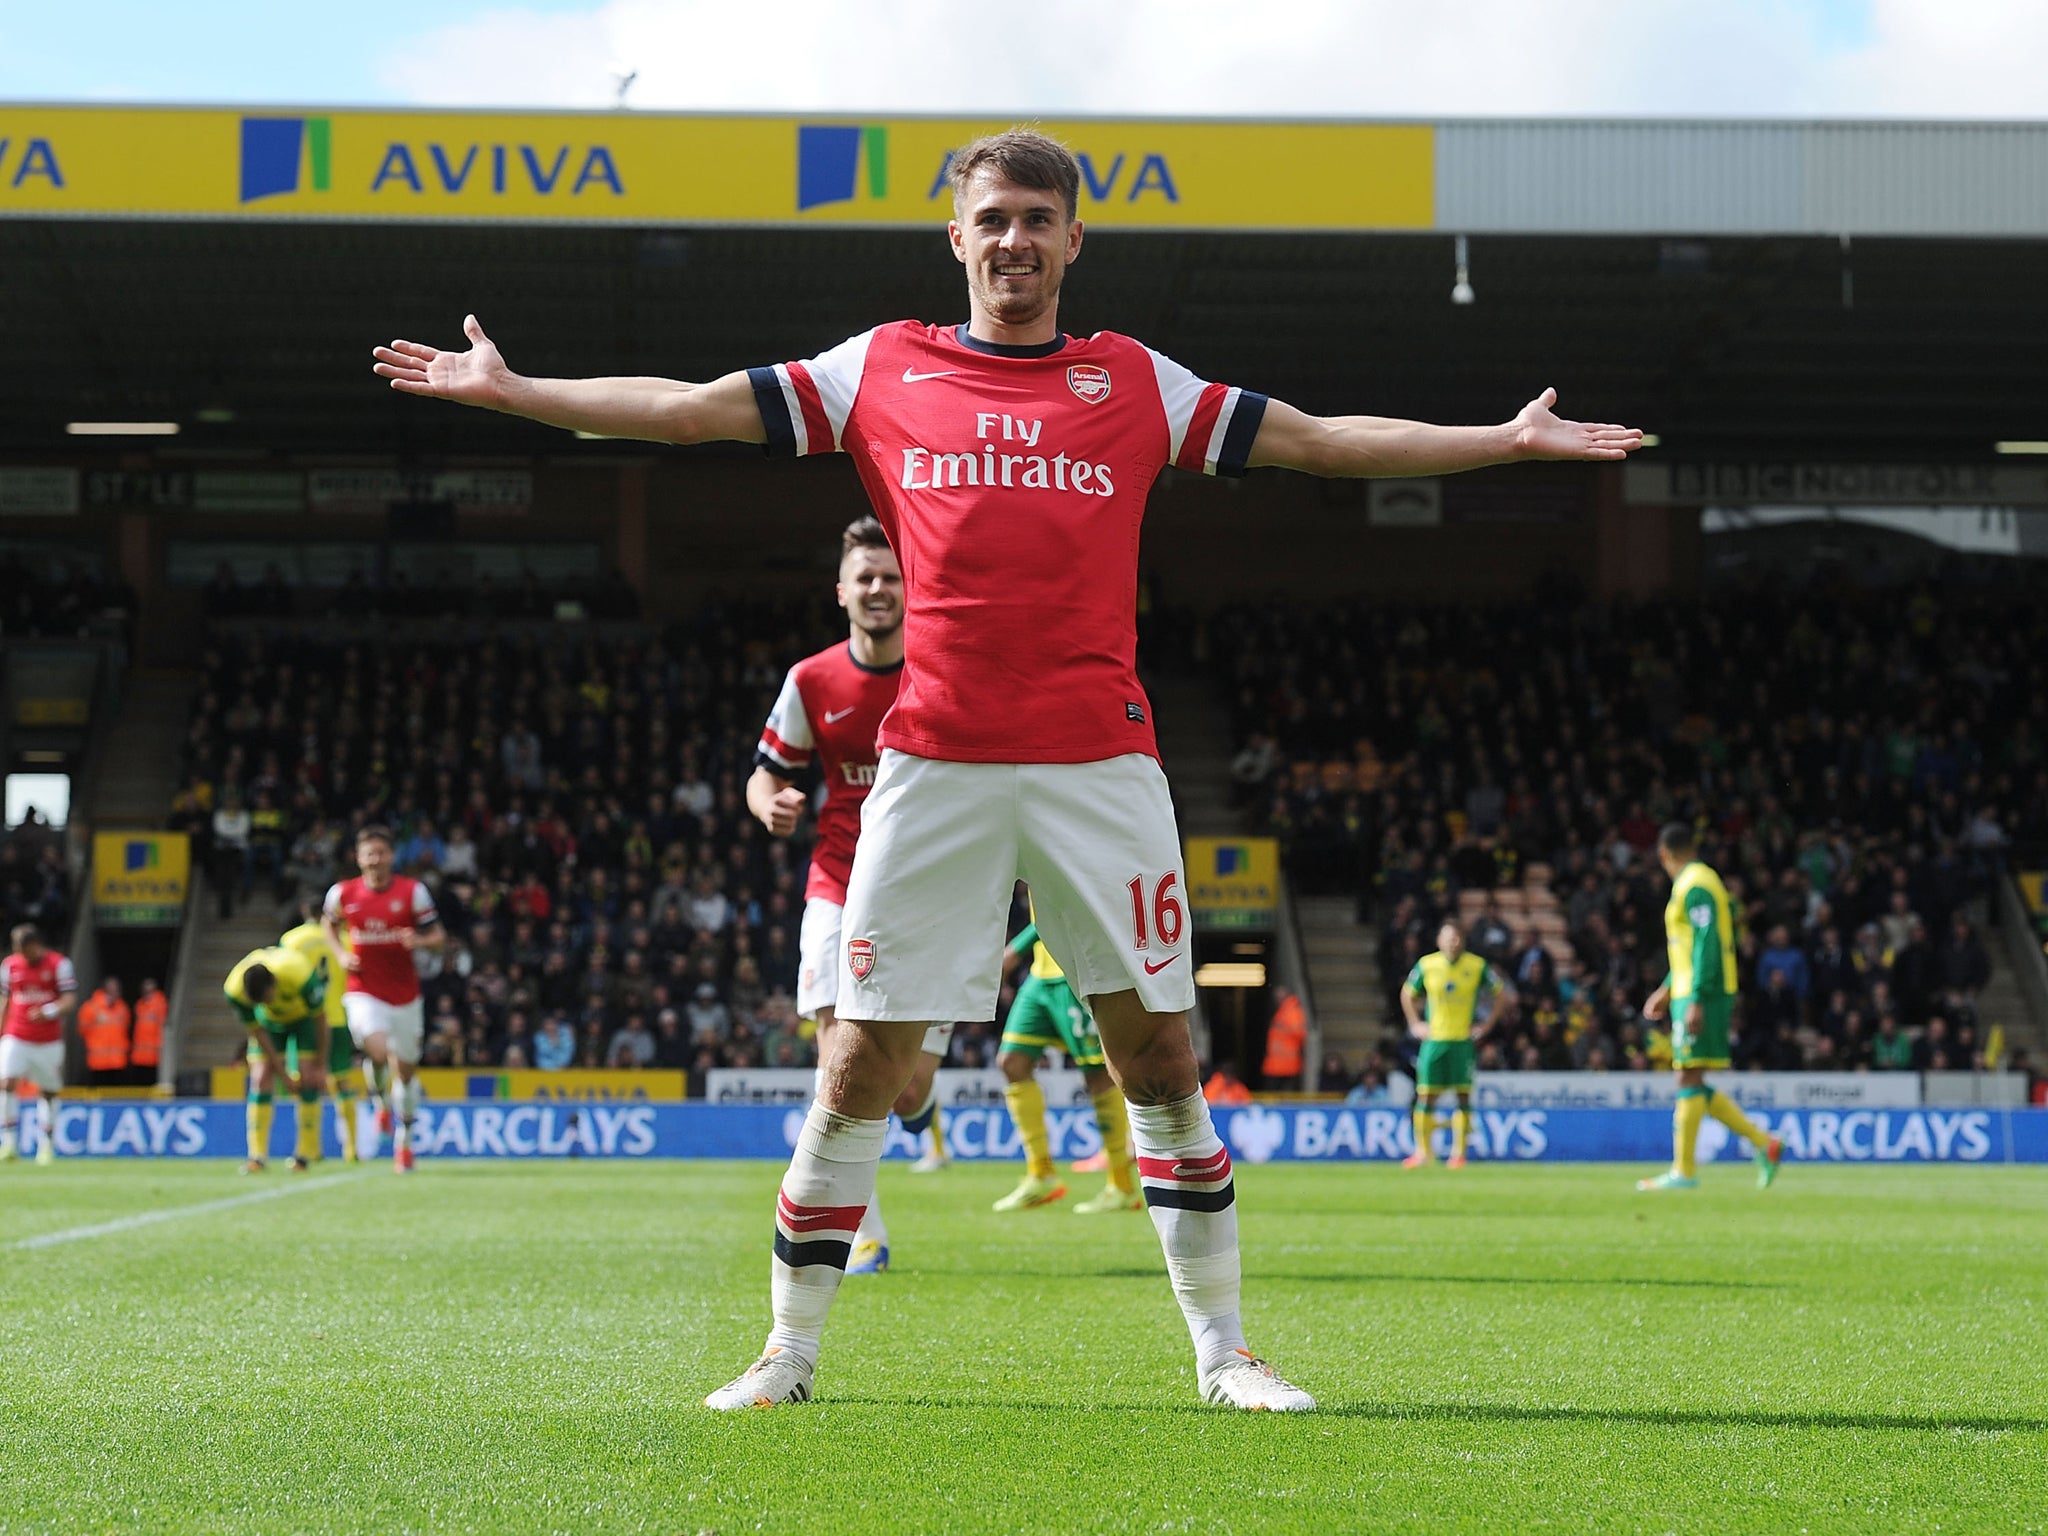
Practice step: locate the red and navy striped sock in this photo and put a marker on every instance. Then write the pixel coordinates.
(830, 1181)
(1185, 1173)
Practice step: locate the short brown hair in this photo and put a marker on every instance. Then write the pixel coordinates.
(375, 832)
(26, 934)
(1024, 156)
(862, 533)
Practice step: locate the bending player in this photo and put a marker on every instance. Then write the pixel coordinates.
(40, 991)
(1045, 1014)
(310, 939)
(1009, 464)
(375, 922)
(1440, 997)
(829, 709)
(278, 993)
(1699, 994)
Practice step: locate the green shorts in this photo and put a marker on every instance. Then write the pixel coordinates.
(1046, 1013)
(1708, 1047)
(296, 1041)
(1442, 1064)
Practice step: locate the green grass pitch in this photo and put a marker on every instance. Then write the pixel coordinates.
(522, 1348)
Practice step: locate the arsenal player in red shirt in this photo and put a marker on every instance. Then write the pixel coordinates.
(40, 991)
(829, 711)
(1009, 464)
(376, 922)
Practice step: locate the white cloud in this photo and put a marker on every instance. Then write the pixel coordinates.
(1350, 58)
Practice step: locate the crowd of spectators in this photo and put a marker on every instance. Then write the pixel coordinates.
(1857, 766)
(45, 599)
(34, 887)
(575, 804)
(447, 595)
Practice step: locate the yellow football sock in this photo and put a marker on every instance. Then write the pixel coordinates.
(1729, 1113)
(345, 1118)
(1115, 1124)
(1461, 1130)
(309, 1128)
(1425, 1123)
(256, 1117)
(1027, 1108)
(1686, 1115)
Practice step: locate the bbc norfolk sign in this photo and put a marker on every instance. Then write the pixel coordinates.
(668, 168)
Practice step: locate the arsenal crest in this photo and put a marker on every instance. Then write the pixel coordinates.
(860, 957)
(1089, 382)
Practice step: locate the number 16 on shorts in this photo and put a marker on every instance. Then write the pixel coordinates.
(1156, 911)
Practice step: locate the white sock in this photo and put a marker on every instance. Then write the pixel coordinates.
(10, 1113)
(829, 1185)
(1185, 1173)
(49, 1125)
(403, 1096)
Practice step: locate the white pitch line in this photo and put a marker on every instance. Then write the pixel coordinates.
(151, 1218)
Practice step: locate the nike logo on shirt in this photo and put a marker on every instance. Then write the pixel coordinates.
(834, 719)
(918, 378)
(1154, 967)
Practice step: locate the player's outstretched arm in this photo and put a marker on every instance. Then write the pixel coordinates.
(1379, 446)
(651, 410)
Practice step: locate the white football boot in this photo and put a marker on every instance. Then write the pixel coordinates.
(777, 1377)
(1245, 1381)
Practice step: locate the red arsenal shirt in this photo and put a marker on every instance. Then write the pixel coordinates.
(831, 707)
(1012, 483)
(373, 921)
(29, 989)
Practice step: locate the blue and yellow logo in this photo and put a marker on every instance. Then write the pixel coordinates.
(286, 154)
(139, 853)
(829, 160)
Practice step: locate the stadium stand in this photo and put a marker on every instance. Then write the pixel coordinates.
(1858, 762)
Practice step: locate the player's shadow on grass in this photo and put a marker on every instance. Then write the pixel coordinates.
(1353, 1277)
(1510, 1413)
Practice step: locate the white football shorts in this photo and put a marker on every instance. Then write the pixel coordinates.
(818, 960)
(27, 1061)
(401, 1023)
(941, 848)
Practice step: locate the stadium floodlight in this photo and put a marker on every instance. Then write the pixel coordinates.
(2022, 445)
(121, 428)
(1461, 290)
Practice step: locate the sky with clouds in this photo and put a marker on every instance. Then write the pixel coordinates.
(1351, 58)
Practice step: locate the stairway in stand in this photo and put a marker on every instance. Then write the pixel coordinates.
(1344, 974)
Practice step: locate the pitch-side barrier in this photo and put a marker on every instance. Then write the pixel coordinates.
(1255, 1133)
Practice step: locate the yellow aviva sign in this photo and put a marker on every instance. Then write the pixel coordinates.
(651, 168)
(1233, 874)
(141, 877)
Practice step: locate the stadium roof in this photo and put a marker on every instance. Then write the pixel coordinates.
(1694, 278)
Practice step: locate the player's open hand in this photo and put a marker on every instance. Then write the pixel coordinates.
(1543, 434)
(475, 377)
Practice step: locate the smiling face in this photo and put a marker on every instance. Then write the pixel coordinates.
(1016, 243)
(871, 590)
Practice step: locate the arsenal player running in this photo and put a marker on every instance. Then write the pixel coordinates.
(831, 707)
(40, 990)
(375, 922)
(1009, 464)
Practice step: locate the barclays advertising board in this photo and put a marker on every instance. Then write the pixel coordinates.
(1255, 1133)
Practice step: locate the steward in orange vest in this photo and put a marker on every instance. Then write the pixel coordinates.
(103, 1021)
(152, 1008)
(1286, 1039)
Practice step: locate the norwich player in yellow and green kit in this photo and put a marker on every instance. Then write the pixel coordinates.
(1440, 997)
(278, 994)
(1699, 994)
(1046, 1014)
(310, 940)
